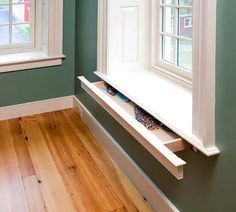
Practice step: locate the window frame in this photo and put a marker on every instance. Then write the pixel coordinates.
(11, 48)
(155, 46)
(202, 85)
(202, 82)
(48, 45)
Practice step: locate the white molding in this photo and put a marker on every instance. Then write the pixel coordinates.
(30, 60)
(102, 37)
(204, 72)
(54, 27)
(147, 188)
(37, 107)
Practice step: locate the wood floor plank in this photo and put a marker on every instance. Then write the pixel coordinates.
(125, 190)
(123, 209)
(20, 144)
(51, 162)
(52, 186)
(65, 164)
(98, 195)
(12, 194)
(33, 193)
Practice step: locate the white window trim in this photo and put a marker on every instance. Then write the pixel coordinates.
(204, 72)
(44, 53)
(203, 80)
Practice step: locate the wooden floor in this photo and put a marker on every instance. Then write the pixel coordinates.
(51, 162)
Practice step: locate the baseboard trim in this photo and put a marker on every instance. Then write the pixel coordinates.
(147, 188)
(37, 107)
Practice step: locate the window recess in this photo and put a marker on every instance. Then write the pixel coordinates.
(141, 44)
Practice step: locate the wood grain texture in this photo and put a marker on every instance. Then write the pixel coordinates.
(51, 162)
(20, 144)
(84, 168)
(33, 193)
(133, 200)
(12, 194)
(52, 185)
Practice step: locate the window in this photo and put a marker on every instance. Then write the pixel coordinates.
(174, 40)
(16, 23)
(187, 22)
(30, 34)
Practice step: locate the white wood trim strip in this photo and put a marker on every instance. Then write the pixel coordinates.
(47, 62)
(204, 72)
(168, 159)
(142, 182)
(32, 108)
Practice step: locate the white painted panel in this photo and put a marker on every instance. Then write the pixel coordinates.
(127, 35)
(130, 33)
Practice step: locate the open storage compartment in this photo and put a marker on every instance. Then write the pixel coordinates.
(161, 143)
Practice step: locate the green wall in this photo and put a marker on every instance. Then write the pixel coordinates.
(38, 84)
(209, 183)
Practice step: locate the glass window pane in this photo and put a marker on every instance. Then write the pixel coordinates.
(186, 2)
(21, 13)
(4, 14)
(168, 46)
(185, 22)
(20, 1)
(168, 15)
(4, 1)
(21, 34)
(168, 1)
(4, 32)
(185, 54)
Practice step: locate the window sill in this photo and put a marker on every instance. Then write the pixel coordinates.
(166, 100)
(29, 60)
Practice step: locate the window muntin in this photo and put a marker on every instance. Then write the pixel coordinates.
(16, 23)
(175, 40)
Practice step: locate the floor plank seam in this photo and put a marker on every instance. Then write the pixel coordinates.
(60, 166)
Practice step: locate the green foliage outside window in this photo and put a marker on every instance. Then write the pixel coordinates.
(4, 1)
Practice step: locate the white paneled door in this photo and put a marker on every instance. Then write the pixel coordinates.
(127, 35)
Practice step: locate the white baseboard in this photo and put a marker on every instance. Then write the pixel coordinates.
(147, 188)
(32, 108)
